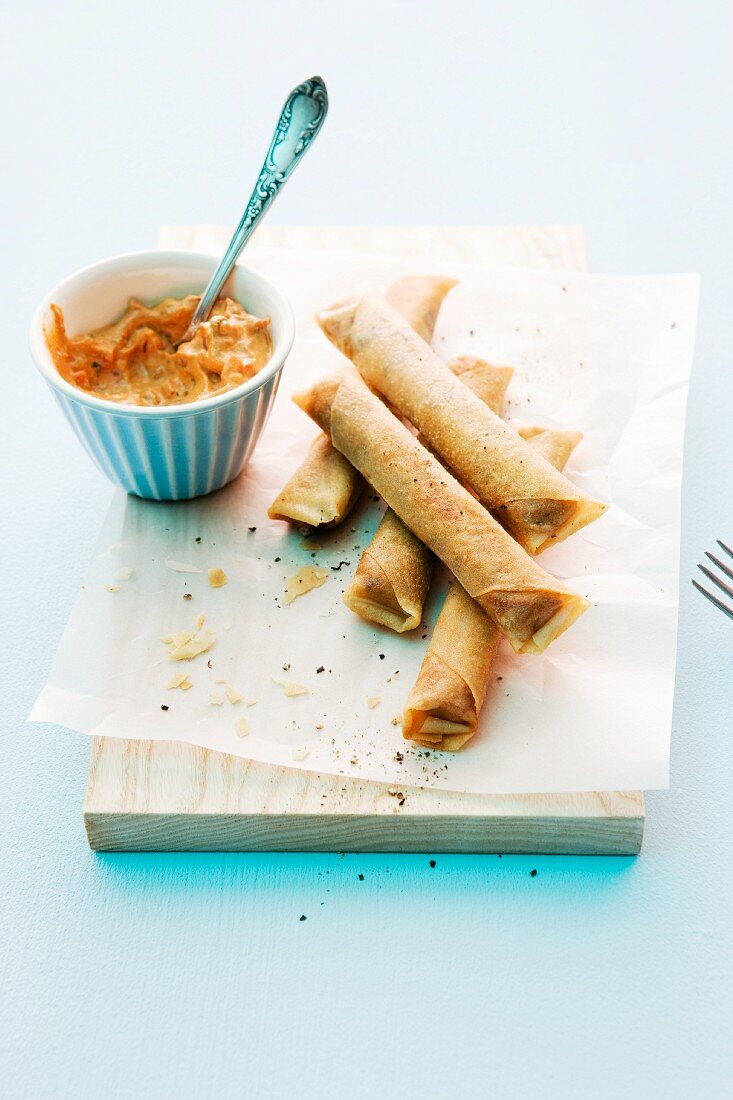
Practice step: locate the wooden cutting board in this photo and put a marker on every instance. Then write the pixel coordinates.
(165, 796)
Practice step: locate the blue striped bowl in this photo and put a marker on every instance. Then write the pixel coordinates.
(169, 452)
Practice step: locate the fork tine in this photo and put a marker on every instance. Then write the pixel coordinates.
(721, 565)
(716, 580)
(727, 549)
(714, 599)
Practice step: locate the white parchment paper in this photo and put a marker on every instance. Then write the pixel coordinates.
(609, 355)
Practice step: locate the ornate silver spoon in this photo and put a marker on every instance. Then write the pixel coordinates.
(300, 120)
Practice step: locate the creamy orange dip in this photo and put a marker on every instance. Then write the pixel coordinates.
(133, 361)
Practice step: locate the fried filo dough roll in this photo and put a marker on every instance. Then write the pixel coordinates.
(531, 499)
(323, 489)
(325, 484)
(392, 579)
(530, 607)
(443, 707)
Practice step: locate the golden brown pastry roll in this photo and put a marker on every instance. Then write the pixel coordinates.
(418, 299)
(529, 606)
(556, 444)
(323, 489)
(443, 707)
(326, 484)
(532, 500)
(445, 702)
(392, 579)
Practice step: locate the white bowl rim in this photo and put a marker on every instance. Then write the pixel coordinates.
(166, 257)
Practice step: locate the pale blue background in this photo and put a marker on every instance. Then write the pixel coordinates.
(191, 976)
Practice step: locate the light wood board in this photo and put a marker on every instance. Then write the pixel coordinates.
(165, 796)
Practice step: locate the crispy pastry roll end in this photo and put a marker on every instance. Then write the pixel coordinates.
(392, 578)
(488, 382)
(538, 523)
(531, 619)
(419, 298)
(443, 707)
(322, 491)
(337, 322)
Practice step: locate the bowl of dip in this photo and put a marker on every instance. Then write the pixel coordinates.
(162, 422)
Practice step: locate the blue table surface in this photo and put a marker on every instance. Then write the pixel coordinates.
(193, 975)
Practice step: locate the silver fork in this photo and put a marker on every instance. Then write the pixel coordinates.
(726, 569)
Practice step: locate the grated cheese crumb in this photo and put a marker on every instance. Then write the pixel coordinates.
(112, 587)
(242, 727)
(221, 680)
(306, 579)
(180, 680)
(216, 699)
(187, 644)
(233, 695)
(290, 687)
(299, 752)
(373, 701)
(217, 578)
(250, 702)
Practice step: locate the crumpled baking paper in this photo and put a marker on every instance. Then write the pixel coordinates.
(609, 355)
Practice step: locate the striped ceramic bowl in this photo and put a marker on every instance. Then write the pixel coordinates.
(171, 452)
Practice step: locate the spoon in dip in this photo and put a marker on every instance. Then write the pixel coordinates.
(300, 121)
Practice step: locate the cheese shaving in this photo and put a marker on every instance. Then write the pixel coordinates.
(181, 566)
(216, 699)
(233, 695)
(289, 687)
(250, 702)
(242, 727)
(307, 578)
(299, 752)
(373, 701)
(187, 644)
(180, 680)
(217, 578)
(200, 620)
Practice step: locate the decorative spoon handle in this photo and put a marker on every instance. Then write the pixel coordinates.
(300, 121)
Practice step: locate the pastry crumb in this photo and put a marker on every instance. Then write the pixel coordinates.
(289, 686)
(242, 727)
(217, 578)
(306, 579)
(299, 752)
(319, 726)
(397, 720)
